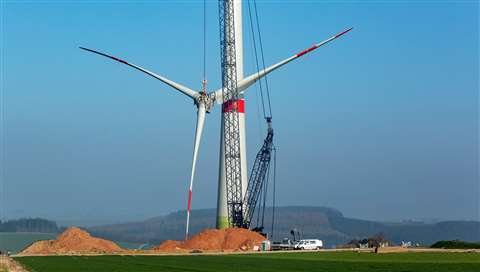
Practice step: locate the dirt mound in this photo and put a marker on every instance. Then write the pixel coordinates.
(395, 249)
(72, 241)
(233, 239)
(169, 246)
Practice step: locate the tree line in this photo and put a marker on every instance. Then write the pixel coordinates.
(29, 225)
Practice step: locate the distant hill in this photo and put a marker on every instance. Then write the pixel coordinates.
(325, 223)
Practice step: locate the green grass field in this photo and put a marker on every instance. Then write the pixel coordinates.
(16, 241)
(325, 261)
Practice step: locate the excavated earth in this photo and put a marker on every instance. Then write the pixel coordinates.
(232, 239)
(75, 241)
(72, 241)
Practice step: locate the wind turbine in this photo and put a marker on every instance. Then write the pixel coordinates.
(204, 101)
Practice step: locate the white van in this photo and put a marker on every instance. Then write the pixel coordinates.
(309, 244)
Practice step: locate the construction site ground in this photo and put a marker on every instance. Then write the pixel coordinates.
(190, 253)
(77, 242)
(225, 250)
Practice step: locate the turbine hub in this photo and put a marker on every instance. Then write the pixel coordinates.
(207, 99)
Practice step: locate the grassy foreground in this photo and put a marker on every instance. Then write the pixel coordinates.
(324, 261)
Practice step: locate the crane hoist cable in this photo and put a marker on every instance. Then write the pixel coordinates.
(204, 80)
(263, 57)
(260, 175)
(274, 189)
(204, 91)
(256, 56)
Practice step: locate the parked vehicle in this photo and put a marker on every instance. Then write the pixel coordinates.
(309, 244)
(285, 244)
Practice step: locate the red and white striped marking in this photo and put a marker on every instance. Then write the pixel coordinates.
(322, 43)
(189, 199)
(188, 211)
(234, 104)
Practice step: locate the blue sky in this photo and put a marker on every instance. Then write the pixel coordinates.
(381, 124)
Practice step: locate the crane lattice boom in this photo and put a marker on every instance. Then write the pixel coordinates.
(258, 175)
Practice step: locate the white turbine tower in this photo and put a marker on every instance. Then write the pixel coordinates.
(205, 101)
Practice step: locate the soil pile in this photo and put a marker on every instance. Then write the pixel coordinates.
(232, 239)
(72, 241)
(393, 249)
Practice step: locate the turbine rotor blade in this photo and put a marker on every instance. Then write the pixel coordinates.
(198, 136)
(187, 91)
(248, 81)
